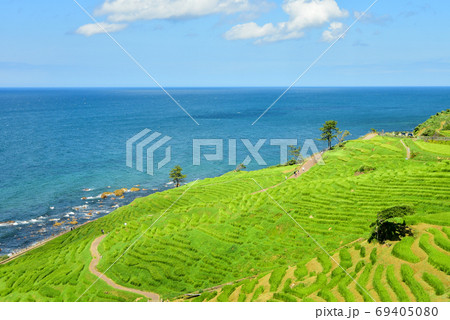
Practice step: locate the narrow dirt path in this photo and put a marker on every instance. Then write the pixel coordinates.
(369, 136)
(93, 269)
(408, 151)
(301, 169)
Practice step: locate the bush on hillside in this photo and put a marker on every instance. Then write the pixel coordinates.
(429, 132)
(365, 169)
(390, 224)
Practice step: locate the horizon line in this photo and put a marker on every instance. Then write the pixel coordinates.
(219, 87)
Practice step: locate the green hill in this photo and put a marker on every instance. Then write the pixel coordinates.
(437, 125)
(222, 240)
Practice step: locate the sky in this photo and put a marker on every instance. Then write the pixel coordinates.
(224, 43)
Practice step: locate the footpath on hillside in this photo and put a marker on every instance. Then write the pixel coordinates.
(93, 269)
(408, 151)
(312, 161)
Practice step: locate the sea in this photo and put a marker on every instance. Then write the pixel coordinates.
(60, 149)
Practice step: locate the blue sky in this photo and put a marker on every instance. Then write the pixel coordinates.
(51, 43)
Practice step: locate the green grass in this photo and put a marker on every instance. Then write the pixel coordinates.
(362, 282)
(284, 297)
(402, 250)
(257, 293)
(221, 231)
(300, 272)
(435, 257)
(379, 286)
(276, 277)
(434, 123)
(325, 262)
(446, 231)
(249, 286)
(327, 295)
(440, 239)
(434, 282)
(373, 256)
(345, 259)
(395, 284)
(417, 290)
(226, 292)
(362, 252)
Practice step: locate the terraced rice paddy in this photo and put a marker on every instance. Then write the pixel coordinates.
(222, 232)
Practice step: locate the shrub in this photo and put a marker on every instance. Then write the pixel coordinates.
(429, 132)
(357, 246)
(402, 250)
(378, 286)
(390, 224)
(364, 169)
(417, 290)
(435, 257)
(434, 282)
(373, 256)
(395, 285)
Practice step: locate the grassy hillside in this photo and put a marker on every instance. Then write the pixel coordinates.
(222, 230)
(437, 125)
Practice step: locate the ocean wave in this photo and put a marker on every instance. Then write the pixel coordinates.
(68, 214)
(18, 223)
(92, 198)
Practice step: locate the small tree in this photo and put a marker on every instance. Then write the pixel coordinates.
(176, 176)
(342, 137)
(240, 167)
(329, 131)
(391, 225)
(295, 153)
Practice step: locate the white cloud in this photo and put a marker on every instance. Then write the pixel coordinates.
(119, 11)
(132, 10)
(303, 14)
(102, 27)
(334, 31)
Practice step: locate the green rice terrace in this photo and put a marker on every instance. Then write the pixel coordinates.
(223, 239)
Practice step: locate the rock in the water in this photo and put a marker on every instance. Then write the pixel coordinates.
(134, 189)
(106, 195)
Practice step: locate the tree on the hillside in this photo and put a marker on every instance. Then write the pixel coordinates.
(329, 131)
(240, 167)
(342, 137)
(391, 225)
(296, 155)
(176, 176)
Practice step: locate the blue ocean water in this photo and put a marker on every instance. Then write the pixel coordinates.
(56, 143)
